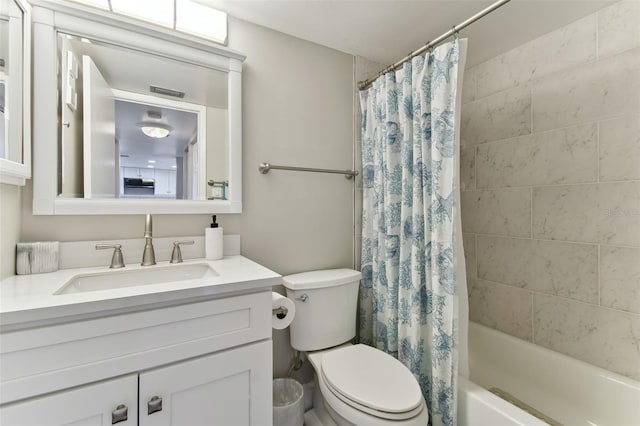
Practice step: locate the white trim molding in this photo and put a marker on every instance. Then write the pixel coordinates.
(51, 17)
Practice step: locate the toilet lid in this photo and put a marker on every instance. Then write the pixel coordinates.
(373, 379)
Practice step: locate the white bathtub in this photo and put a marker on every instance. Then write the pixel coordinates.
(571, 392)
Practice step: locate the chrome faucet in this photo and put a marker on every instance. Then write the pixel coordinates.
(148, 255)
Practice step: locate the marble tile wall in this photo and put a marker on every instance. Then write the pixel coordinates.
(550, 170)
(620, 148)
(501, 212)
(567, 155)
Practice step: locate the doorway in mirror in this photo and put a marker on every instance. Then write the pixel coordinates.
(157, 151)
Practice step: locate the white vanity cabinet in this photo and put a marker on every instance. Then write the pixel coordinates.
(194, 363)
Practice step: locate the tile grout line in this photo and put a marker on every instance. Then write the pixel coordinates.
(475, 248)
(475, 85)
(551, 240)
(531, 213)
(531, 80)
(598, 151)
(565, 298)
(533, 327)
(531, 132)
(528, 288)
(475, 168)
(556, 185)
(586, 63)
(606, 117)
(597, 34)
(599, 278)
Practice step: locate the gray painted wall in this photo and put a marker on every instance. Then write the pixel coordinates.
(10, 197)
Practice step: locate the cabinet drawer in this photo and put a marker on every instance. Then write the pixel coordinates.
(50, 358)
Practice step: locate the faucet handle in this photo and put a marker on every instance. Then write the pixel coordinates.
(176, 254)
(116, 259)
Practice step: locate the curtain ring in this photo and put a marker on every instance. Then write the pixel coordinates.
(380, 73)
(455, 32)
(410, 56)
(429, 47)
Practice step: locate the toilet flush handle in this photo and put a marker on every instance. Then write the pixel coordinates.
(303, 298)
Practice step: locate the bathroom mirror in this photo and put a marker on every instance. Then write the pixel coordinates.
(15, 95)
(139, 126)
(145, 120)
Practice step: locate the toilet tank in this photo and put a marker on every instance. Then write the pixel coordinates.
(326, 303)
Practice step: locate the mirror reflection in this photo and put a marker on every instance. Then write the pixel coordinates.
(155, 151)
(135, 125)
(11, 84)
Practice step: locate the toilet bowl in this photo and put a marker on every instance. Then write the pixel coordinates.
(354, 384)
(361, 385)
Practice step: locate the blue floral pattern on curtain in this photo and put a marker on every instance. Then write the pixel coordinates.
(408, 299)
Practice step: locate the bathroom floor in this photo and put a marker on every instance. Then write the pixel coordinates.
(310, 419)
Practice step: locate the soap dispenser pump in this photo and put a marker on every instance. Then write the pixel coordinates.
(213, 248)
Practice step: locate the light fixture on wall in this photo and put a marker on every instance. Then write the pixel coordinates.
(155, 130)
(187, 16)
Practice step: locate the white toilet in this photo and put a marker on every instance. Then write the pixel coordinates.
(355, 384)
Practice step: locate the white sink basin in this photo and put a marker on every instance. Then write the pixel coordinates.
(123, 278)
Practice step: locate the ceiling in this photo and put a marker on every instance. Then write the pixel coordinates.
(134, 71)
(386, 30)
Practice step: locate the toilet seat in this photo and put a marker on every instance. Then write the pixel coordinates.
(372, 381)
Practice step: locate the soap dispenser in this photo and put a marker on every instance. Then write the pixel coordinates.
(213, 241)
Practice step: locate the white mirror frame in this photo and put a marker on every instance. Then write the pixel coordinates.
(51, 17)
(12, 172)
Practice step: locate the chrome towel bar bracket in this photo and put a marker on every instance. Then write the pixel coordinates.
(265, 167)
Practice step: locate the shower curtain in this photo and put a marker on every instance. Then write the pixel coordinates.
(413, 295)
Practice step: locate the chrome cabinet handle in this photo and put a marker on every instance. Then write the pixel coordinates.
(176, 254)
(116, 260)
(154, 404)
(119, 414)
(303, 298)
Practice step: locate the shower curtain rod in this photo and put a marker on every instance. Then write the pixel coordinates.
(362, 85)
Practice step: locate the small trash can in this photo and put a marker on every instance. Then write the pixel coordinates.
(288, 403)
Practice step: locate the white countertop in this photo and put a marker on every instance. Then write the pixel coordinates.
(26, 300)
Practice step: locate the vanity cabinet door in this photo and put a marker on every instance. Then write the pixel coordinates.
(98, 404)
(229, 388)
